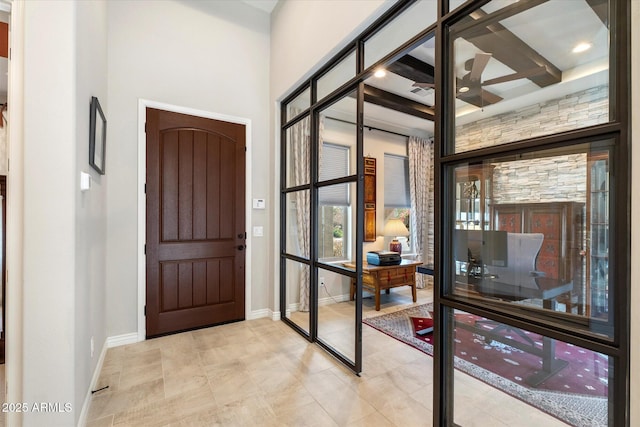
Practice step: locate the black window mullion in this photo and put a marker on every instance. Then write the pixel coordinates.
(359, 224)
(314, 206)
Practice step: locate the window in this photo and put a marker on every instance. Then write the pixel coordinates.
(397, 199)
(334, 200)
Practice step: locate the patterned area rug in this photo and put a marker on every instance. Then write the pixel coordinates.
(576, 394)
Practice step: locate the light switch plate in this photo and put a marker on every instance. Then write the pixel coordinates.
(85, 181)
(259, 204)
(258, 231)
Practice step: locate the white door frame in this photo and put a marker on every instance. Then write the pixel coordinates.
(142, 224)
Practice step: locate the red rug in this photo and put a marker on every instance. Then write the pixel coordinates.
(587, 373)
(576, 394)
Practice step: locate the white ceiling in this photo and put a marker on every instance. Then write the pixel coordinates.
(265, 5)
(564, 28)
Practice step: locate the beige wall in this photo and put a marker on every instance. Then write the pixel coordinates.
(182, 54)
(60, 303)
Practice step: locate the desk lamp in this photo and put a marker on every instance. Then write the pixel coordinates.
(395, 227)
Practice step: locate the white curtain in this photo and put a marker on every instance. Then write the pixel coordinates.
(421, 192)
(301, 174)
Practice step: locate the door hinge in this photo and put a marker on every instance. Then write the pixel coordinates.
(145, 127)
(145, 188)
(245, 235)
(145, 310)
(245, 149)
(145, 248)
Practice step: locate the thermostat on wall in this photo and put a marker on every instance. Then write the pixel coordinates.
(258, 204)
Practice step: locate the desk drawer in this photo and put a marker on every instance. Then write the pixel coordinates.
(401, 271)
(368, 279)
(401, 279)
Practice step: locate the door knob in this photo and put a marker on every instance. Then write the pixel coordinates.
(240, 247)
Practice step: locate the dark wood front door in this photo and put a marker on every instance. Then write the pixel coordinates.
(195, 234)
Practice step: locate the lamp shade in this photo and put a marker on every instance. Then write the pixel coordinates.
(395, 227)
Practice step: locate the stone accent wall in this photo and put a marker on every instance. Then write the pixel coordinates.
(586, 108)
(549, 179)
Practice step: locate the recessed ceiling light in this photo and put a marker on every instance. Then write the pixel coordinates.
(380, 73)
(582, 47)
(463, 89)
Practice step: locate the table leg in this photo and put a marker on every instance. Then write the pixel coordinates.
(352, 295)
(413, 292)
(377, 297)
(550, 365)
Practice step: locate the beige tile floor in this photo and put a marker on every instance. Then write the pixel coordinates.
(262, 373)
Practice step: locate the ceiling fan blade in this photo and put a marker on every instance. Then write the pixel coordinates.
(479, 63)
(515, 76)
(424, 85)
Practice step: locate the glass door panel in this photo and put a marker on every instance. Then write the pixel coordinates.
(297, 297)
(298, 146)
(598, 259)
(530, 256)
(338, 315)
(515, 79)
(336, 246)
(337, 312)
(506, 372)
(298, 237)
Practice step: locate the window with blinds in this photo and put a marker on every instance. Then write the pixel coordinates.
(396, 181)
(334, 164)
(334, 210)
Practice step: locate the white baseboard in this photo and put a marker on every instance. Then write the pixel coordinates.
(123, 339)
(86, 406)
(265, 312)
(258, 314)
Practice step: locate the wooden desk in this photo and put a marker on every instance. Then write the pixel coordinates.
(378, 277)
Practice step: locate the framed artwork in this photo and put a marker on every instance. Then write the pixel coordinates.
(369, 199)
(97, 136)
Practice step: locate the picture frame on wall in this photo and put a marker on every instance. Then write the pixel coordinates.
(97, 136)
(369, 199)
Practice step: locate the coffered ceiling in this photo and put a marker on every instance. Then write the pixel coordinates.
(502, 61)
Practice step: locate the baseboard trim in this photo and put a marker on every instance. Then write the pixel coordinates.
(123, 339)
(86, 406)
(265, 312)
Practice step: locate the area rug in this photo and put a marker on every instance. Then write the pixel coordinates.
(576, 394)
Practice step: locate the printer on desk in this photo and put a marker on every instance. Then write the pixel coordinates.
(383, 258)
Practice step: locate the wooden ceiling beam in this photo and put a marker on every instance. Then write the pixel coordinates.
(419, 71)
(482, 19)
(413, 69)
(492, 37)
(395, 102)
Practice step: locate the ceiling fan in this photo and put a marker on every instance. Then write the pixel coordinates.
(469, 87)
(472, 81)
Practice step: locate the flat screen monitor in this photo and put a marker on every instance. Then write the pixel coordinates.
(481, 247)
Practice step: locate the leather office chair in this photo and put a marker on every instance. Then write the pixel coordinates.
(523, 250)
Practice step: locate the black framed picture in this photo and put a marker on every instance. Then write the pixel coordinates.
(97, 136)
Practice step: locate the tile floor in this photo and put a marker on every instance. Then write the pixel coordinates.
(262, 373)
